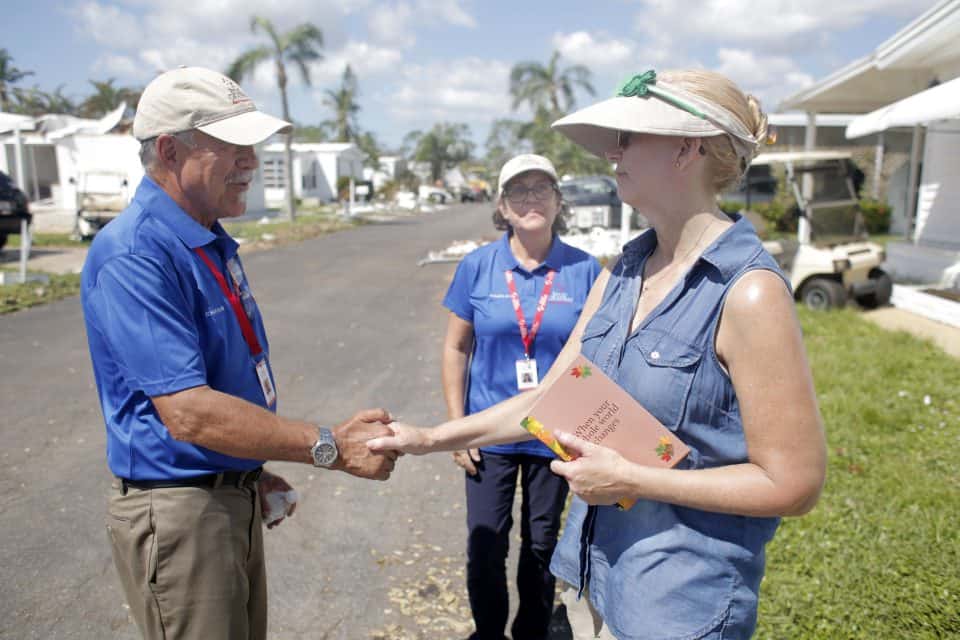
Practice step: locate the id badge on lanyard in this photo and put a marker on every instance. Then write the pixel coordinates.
(266, 384)
(527, 375)
(261, 366)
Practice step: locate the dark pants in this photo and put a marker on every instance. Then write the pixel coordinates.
(489, 518)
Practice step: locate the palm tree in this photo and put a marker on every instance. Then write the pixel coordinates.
(106, 98)
(444, 146)
(299, 46)
(541, 86)
(369, 145)
(57, 102)
(343, 101)
(9, 74)
(28, 102)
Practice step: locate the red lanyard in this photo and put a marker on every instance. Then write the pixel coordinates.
(527, 337)
(245, 327)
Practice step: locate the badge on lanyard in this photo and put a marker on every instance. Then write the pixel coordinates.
(263, 374)
(246, 327)
(527, 376)
(233, 265)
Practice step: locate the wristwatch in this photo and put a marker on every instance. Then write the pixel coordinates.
(324, 450)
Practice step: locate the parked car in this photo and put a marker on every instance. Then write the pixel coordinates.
(14, 208)
(436, 195)
(478, 191)
(593, 201)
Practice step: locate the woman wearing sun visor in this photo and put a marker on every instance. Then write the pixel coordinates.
(696, 321)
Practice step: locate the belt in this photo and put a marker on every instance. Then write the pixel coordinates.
(238, 479)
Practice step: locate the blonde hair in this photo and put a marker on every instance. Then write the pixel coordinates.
(726, 169)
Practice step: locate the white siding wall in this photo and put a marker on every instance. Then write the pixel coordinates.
(938, 204)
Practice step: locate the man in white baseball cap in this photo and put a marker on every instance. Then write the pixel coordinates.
(197, 98)
(181, 360)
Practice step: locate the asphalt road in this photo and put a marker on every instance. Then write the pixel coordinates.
(353, 323)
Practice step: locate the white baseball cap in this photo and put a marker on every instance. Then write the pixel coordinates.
(197, 98)
(522, 163)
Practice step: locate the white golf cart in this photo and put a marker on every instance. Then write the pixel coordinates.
(831, 259)
(101, 196)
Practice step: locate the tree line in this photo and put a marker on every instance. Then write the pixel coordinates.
(547, 90)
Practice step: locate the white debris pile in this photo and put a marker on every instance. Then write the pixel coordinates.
(599, 241)
(406, 200)
(453, 253)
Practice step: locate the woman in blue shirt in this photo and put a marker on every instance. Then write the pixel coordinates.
(698, 324)
(493, 351)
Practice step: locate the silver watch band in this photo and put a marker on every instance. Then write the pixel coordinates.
(324, 450)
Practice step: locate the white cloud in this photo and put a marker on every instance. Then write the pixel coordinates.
(118, 65)
(781, 25)
(365, 59)
(447, 11)
(395, 23)
(470, 90)
(108, 25)
(770, 78)
(390, 24)
(582, 47)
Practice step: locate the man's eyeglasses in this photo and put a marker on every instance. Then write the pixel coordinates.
(623, 139)
(517, 193)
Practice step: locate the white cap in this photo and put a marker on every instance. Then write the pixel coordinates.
(197, 98)
(522, 163)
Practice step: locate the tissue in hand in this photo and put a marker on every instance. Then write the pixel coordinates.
(278, 505)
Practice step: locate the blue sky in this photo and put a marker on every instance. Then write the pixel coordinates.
(421, 61)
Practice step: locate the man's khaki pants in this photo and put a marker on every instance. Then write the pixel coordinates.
(585, 622)
(191, 561)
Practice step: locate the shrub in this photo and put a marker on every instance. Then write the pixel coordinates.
(730, 206)
(779, 216)
(389, 189)
(343, 187)
(876, 215)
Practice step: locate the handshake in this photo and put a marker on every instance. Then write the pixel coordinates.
(368, 445)
(370, 442)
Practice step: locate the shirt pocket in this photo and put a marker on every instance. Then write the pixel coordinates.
(593, 336)
(668, 366)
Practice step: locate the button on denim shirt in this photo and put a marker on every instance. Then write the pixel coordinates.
(661, 570)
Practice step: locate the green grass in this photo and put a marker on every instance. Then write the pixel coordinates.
(306, 225)
(309, 224)
(14, 297)
(879, 557)
(46, 240)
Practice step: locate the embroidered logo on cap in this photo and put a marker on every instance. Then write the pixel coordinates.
(236, 93)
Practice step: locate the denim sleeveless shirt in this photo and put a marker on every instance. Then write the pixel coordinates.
(660, 570)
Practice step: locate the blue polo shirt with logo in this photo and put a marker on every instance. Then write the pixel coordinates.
(479, 295)
(157, 323)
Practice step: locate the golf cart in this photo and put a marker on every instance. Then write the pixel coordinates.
(101, 196)
(831, 259)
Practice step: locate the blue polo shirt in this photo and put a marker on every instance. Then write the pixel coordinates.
(479, 295)
(157, 323)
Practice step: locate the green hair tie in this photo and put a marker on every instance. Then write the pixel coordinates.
(645, 84)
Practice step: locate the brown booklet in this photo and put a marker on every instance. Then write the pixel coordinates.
(588, 404)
